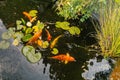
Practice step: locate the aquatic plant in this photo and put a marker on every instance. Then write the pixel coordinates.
(71, 9)
(108, 33)
(29, 32)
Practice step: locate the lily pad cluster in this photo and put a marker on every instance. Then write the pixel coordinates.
(66, 26)
(29, 32)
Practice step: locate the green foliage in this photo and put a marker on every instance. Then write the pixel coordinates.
(33, 58)
(29, 53)
(45, 44)
(71, 9)
(27, 37)
(33, 13)
(6, 35)
(108, 33)
(4, 44)
(31, 36)
(66, 26)
(28, 30)
(40, 25)
(74, 30)
(28, 50)
(55, 51)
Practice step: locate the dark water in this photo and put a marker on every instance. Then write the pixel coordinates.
(14, 66)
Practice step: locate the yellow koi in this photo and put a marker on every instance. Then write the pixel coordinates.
(55, 41)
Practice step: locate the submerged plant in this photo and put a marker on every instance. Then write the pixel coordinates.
(108, 33)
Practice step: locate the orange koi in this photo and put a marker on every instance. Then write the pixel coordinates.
(27, 15)
(39, 42)
(48, 35)
(35, 37)
(64, 58)
(55, 41)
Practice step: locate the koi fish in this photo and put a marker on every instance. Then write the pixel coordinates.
(48, 35)
(35, 37)
(64, 58)
(39, 42)
(33, 19)
(27, 15)
(55, 41)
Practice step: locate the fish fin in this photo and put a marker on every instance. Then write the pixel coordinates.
(68, 54)
(66, 61)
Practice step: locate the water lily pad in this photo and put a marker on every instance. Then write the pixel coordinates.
(40, 25)
(18, 35)
(19, 27)
(45, 44)
(33, 58)
(18, 22)
(33, 13)
(4, 44)
(74, 30)
(6, 35)
(64, 25)
(26, 37)
(28, 50)
(55, 51)
(28, 30)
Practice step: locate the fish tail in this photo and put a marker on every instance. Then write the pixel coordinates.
(27, 15)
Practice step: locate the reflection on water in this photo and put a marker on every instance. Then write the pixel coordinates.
(14, 66)
(98, 69)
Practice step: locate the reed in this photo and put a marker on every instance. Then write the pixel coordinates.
(108, 32)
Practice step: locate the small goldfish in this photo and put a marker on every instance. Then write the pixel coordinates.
(27, 15)
(33, 19)
(64, 58)
(35, 37)
(48, 35)
(55, 41)
(39, 42)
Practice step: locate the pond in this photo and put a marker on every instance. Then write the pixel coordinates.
(14, 66)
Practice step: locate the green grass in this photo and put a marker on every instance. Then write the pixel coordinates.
(108, 33)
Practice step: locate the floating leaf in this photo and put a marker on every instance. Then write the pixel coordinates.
(18, 35)
(18, 22)
(4, 44)
(74, 30)
(23, 21)
(33, 13)
(45, 44)
(11, 31)
(28, 50)
(40, 25)
(55, 51)
(27, 37)
(64, 25)
(28, 30)
(6, 35)
(19, 27)
(71, 30)
(15, 42)
(34, 57)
